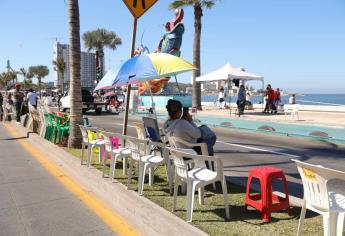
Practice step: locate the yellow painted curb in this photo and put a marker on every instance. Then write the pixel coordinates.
(114, 221)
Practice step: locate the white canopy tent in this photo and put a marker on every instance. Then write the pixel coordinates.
(229, 73)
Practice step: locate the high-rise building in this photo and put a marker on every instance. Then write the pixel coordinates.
(87, 67)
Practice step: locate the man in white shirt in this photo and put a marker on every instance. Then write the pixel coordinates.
(32, 98)
(292, 99)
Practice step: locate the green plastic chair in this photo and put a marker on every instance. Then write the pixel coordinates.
(62, 127)
(49, 126)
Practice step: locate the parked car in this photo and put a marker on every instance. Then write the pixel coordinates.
(87, 99)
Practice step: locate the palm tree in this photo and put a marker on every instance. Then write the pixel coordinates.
(6, 77)
(75, 137)
(97, 40)
(39, 72)
(198, 6)
(3, 80)
(60, 66)
(23, 72)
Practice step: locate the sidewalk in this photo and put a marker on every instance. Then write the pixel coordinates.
(329, 119)
(33, 202)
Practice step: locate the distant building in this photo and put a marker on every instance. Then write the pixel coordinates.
(87, 67)
(49, 84)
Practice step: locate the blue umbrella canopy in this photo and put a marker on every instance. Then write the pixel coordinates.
(107, 81)
(150, 66)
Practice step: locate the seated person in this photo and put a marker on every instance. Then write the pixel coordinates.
(292, 99)
(207, 135)
(177, 127)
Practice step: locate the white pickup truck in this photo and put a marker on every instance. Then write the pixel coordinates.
(88, 102)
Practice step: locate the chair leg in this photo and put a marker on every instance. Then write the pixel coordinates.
(130, 173)
(175, 192)
(326, 225)
(141, 178)
(190, 201)
(301, 219)
(170, 181)
(151, 176)
(225, 195)
(340, 224)
(333, 220)
(114, 157)
(89, 155)
(201, 193)
(82, 153)
(104, 161)
(124, 163)
(100, 155)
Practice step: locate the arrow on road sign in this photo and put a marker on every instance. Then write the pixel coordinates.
(139, 7)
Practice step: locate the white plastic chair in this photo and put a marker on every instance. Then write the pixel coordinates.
(292, 110)
(5, 114)
(121, 153)
(90, 143)
(330, 205)
(196, 178)
(180, 143)
(140, 148)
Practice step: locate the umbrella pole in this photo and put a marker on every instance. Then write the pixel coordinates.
(125, 118)
(153, 104)
(229, 86)
(178, 86)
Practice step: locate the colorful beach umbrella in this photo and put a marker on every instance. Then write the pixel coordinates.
(150, 66)
(107, 81)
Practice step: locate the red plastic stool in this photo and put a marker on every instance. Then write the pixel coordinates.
(267, 202)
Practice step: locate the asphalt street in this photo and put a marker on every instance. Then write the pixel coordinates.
(243, 150)
(33, 202)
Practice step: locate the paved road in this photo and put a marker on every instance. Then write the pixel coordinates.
(33, 202)
(243, 150)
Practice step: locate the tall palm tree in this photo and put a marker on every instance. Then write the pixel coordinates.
(39, 72)
(3, 80)
(23, 72)
(198, 6)
(6, 77)
(97, 40)
(75, 137)
(60, 66)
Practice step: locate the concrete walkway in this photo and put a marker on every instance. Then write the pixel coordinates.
(33, 202)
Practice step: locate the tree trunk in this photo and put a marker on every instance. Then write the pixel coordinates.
(75, 137)
(39, 87)
(196, 96)
(63, 81)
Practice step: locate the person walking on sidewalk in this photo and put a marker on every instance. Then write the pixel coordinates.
(241, 100)
(32, 98)
(18, 101)
(277, 100)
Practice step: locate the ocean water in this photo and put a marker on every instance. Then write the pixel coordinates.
(307, 99)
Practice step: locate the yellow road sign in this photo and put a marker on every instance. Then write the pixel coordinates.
(139, 7)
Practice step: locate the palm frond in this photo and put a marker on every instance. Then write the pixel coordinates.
(208, 4)
(181, 3)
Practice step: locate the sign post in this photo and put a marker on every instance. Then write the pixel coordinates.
(137, 8)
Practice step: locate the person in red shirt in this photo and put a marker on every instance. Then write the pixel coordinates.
(277, 99)
(270, 94)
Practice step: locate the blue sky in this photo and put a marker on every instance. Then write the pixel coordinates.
(297, 45)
